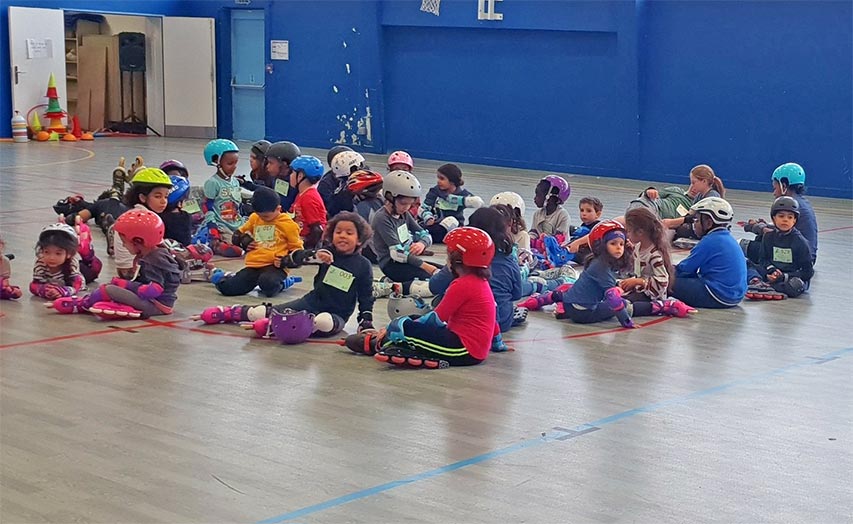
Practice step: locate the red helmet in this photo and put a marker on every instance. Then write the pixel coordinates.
(597, 236)
(363, 181)
(141, 224)
(475, 245)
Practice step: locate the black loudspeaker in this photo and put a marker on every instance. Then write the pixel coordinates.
(131, 52)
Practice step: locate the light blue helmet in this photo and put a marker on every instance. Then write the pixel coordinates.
(790, 174)
(214, 150)
(180, 189)
(310, 165)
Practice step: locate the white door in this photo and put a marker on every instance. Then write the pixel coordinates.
(36, 49)
(189, 74)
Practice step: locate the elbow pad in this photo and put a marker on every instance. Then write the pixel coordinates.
(242, 239)
(421, 235)
(299, 257)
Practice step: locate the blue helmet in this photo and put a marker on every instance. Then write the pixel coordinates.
(310, 165)
(790, 174)
(180, 189)
(214, 150)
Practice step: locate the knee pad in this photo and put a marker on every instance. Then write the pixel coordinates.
(406, 306)
(327, 324)
(420, 288)
(794, 287)
(270, 284)
(253, 313)
(613, 298)
(449, 223)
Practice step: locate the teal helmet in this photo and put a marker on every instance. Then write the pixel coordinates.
(790, 174)
(214, 150)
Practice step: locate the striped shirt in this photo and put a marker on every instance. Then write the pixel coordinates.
(68, 275)
(649, 265)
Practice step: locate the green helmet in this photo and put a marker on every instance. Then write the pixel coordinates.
(153, 176)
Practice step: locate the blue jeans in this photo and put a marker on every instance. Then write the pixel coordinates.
(693, 292)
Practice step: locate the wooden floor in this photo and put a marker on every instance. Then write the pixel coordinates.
(744, 415)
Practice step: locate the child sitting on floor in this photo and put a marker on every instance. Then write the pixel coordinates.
(267, 236)
(56, 272)
(445, 203)
(784, 268)
(460, 330)
(343, 279)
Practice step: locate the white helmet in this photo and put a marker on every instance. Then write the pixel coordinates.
(509, 198)
(344, 162)
(400, 183)
(716, 208)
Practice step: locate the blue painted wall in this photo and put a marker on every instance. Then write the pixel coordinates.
(635, 88)
(746, 86)
(507, 93)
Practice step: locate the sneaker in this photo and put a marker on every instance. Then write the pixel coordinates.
(763, 291)
(685, 243)
(519, 315)
(383, 288)
(565, 271)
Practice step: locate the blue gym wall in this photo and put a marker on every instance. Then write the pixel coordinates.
(636, 88)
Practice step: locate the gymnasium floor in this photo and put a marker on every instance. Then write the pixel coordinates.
(744, 415)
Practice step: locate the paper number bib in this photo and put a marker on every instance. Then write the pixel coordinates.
(191, 206)
(264, 234)
(338, 278)
(403, 233)
(281, 187)
(783, 255)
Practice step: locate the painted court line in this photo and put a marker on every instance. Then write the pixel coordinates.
(557, 435)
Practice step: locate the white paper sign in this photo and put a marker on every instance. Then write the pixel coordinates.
(39, 48)
(279, 49)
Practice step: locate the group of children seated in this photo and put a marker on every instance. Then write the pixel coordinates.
(291, 212)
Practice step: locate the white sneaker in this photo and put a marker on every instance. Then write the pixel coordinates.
(383, 288)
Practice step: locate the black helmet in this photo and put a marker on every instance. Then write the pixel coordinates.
(283, 151)
(260, 148)
(785, 203)
(334, 151)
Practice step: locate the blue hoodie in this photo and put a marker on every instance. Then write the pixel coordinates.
(719, 261)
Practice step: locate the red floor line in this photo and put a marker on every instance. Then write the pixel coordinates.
(835, 229)
(591, 334)
(69, 337)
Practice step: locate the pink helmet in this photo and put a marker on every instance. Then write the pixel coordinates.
(401, 157)
(141, 224)
(559, 187)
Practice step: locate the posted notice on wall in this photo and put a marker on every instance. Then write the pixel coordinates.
(279, 49)
(39, 48)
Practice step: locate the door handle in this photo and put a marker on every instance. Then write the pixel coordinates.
(17, 73)
(248, 86)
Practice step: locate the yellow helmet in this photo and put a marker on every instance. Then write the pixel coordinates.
(153, 176)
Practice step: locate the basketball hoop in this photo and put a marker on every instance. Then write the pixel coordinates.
(430, 6)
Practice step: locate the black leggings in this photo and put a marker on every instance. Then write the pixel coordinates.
(429, 341)
(269, 278)
(404, 273)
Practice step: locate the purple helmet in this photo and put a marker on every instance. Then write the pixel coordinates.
(559, 187)
(175, 165)
(291, 327)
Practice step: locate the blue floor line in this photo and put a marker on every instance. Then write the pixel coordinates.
(553, 436)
